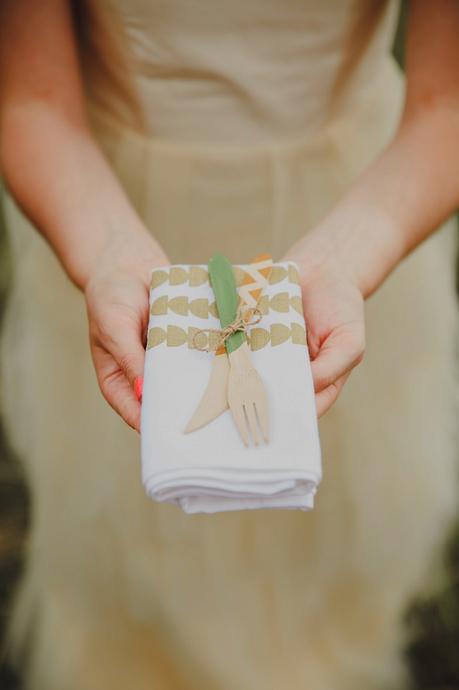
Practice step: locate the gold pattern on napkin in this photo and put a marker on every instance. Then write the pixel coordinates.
(197, 275)
(202, 307)
(276, 334)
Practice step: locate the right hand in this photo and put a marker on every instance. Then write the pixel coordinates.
(117, 299)
(334, 315)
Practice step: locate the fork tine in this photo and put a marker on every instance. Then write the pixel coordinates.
(252, 420)
(261, 408)
(239, 419)
(247, 397)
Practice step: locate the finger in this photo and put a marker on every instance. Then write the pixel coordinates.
(338, 354)
(326, 398)
(124, 343)
(115, 387)
(138, 388)
(128, 352)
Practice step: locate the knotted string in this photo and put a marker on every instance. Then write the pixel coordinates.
(244, 318)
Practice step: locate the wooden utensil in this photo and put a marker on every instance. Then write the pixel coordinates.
(214, 400)
(247, 397)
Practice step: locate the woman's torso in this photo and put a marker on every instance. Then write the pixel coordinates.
(257, 70)
(261, 113)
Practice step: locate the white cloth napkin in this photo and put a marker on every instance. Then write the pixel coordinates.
(210, 470)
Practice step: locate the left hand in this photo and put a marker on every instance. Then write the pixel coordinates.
(334, 316)
(117, 294)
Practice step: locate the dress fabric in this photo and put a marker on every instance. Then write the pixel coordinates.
(245, 155)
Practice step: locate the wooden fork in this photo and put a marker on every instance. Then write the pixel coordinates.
(247, 397)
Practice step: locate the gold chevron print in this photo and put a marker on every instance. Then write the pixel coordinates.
(276, 334)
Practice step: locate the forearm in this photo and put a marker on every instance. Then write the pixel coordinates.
(414, 185)
(396, 203)
(60, 178)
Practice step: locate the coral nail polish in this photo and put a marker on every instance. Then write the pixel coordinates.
(138, 388)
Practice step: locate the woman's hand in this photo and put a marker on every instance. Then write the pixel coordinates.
(117, 298)
(334, 315)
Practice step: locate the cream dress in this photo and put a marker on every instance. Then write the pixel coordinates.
(123, 593)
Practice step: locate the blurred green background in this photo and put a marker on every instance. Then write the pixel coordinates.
(432, 624)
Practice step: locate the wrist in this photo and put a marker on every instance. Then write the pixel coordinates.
(360, 242)
(129, 251)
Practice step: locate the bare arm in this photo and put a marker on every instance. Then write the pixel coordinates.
(414, 185)
(60, 178)
(397, 202)
(49, 158)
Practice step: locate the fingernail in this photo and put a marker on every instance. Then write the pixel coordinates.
(138, 388)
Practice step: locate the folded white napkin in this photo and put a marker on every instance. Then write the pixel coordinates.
(210, 470)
